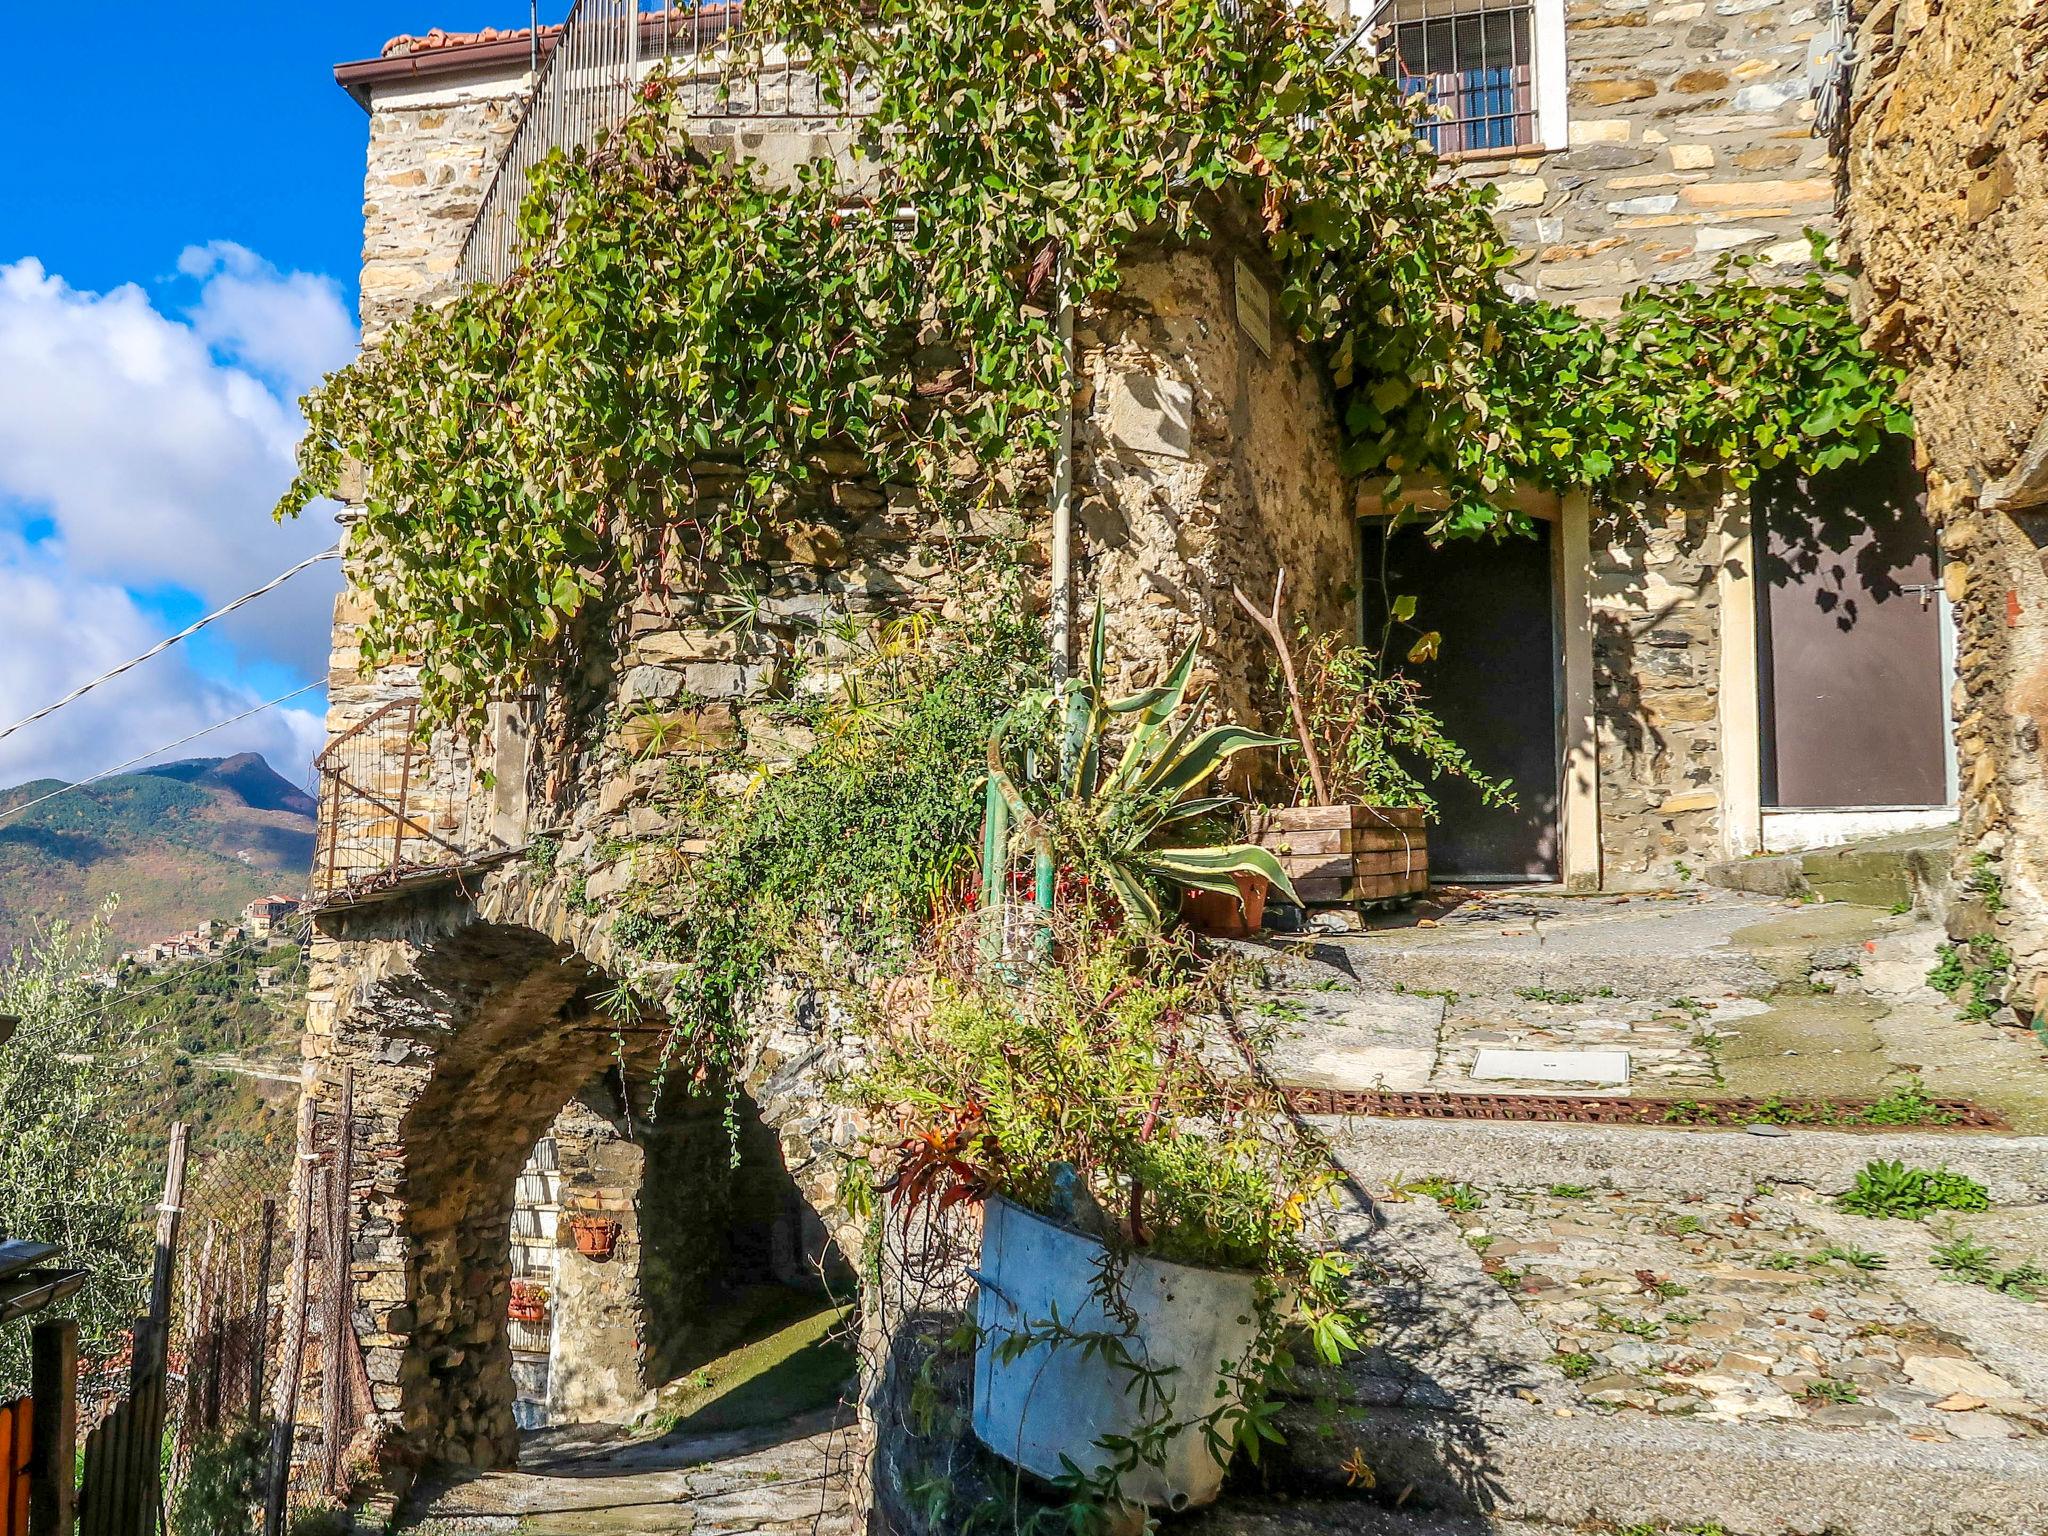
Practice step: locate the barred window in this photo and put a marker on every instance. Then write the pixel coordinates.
(1475, 61)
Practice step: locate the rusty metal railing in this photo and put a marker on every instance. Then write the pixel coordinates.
(588, 79)
(394, 806)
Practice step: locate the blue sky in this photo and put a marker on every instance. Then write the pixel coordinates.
(177, 264)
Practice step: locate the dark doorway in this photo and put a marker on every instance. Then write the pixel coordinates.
(1849, 638)
(1493, 684)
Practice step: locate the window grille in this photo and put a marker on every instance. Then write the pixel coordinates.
(1474, 60)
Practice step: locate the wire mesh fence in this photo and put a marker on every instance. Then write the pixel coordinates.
(249, 1414)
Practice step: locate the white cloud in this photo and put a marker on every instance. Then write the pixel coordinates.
(50, 652)
(141, 451)
(291, 328)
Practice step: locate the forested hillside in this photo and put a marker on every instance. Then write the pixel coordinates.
(178, 843)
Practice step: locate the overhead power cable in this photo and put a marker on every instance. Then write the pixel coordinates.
(142, 757)
(164, 645)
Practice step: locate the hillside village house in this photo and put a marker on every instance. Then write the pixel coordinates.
(1692, 679)
(1669, 684)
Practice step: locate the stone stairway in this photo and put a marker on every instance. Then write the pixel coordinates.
(1586, 1328)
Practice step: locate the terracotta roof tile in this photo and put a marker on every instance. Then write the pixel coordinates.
(437, 39)
(440, 40)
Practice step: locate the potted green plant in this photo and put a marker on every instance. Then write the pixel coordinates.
(1358, 830)
(1152, 1238)
(1110, 791)
(529, 1304)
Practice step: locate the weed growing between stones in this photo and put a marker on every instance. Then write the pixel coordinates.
(1974, 974)
(1451, 1195)
(1886, 1187)
(1830, 1390)
(1854, 1258)
(1986, 883)
(1907, 1104)
(1965, 1259)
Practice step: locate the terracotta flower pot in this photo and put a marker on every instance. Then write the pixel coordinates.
(596, 1236)
(1227, 917)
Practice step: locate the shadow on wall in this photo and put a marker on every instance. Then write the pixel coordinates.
(714, 1258)
(722, 1219)
(1849, 536)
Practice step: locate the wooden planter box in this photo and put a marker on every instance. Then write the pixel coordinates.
(1342, 853)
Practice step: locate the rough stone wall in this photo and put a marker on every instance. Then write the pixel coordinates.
(1203, 462)
(596, 1370)
(1690, 136)
(1947, 213)
(431, 156)
(1656, 668)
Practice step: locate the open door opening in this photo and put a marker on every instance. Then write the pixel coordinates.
(1494, 684)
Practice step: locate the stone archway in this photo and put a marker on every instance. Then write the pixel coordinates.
(468, 1037)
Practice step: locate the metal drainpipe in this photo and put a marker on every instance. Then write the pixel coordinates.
(1062, 606)
(1062, 609)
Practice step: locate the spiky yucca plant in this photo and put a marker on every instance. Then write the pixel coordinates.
(1099, 783)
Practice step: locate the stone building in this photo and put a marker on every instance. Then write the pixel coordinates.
(1622, 666)
(1947, 214)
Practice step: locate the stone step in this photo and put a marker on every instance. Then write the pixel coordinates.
(1589, 1471)
(1621, 947)
(1906, 867)
(2013, 1168)
(1461, 1403)
(1359, 1512)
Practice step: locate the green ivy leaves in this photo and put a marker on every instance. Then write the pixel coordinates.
(656, 390)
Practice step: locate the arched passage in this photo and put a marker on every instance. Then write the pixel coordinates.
(469, 1041)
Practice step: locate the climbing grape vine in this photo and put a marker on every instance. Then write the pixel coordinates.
(692, 343)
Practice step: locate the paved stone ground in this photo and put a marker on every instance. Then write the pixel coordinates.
(605, 1482)
(1708, 991)
(1671, 1043)
(1759, 1308)
(1660, 1330)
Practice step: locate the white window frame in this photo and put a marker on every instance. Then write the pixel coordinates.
(1550, 76)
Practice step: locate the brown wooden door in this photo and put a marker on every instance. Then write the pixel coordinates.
(1493, 684)
(1849, 638)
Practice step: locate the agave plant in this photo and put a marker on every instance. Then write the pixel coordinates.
(1121, 782)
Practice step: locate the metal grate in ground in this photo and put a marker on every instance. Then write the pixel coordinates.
(1805, 1113)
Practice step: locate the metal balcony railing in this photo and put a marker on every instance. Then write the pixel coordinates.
(587, 81)
(395, 809)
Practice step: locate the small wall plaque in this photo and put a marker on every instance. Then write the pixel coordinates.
(1254, 309)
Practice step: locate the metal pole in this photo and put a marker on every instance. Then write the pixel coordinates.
(1061, 608)
(335, 1314)
(260, 1336)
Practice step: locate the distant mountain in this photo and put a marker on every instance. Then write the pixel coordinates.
(179, 843)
